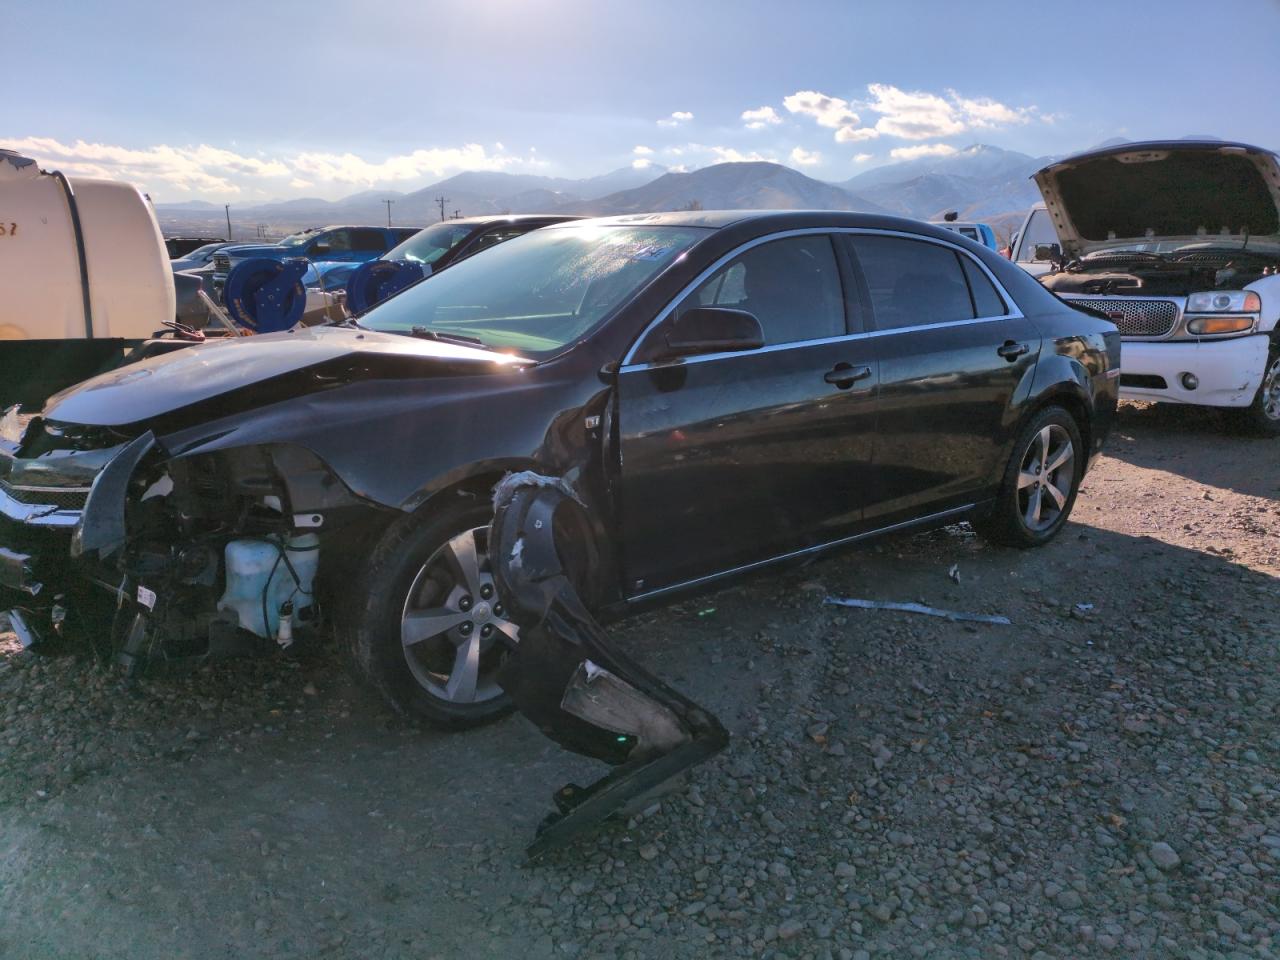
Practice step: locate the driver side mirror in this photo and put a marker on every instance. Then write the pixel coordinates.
(704, 330)
(1048, 251)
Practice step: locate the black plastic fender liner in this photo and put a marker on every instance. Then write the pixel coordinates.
(101, 525)
(565, 676)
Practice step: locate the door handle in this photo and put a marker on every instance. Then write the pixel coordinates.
(1011, 350)
(845, 375)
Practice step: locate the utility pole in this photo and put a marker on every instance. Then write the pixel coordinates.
(227, 208)
(442, 200)
(388, 203)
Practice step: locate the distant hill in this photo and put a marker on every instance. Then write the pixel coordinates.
(730, 186)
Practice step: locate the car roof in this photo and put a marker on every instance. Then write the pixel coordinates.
(768, 221)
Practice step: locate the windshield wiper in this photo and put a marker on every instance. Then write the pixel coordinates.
(426, 333)
(346, 322)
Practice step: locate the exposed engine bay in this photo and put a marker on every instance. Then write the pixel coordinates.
(1173, 274)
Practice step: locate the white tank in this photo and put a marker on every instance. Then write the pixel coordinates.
(41, 294)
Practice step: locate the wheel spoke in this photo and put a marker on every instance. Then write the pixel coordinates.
(508, 630)
(1063, 454)
(1046, 438)
(462, 550)
(466, 672)
(419, 625)
(1058, 496)
(1026, 479)
(1032, 516)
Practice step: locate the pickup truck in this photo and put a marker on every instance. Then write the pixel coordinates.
(337, 244)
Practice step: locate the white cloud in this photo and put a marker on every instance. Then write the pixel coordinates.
(861, 157)
(677, 118)
(923, 150)
(215, 172)
(641, 163)
(678, 168)
(761, 117)
(642, 151)
(805, 158)
(732, 155)
(905, 114)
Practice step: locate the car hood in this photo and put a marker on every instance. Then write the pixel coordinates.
(213, 379)
(1181, 190)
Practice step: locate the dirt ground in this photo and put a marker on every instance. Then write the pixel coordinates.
(1100, 778)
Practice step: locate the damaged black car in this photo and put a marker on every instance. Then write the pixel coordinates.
(718, 392)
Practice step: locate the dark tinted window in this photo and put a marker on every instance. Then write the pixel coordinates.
(792, 286)
(986, 300)
(912, 282)
(337, 240)
(368, 240)
(494, 237)
(401, 234)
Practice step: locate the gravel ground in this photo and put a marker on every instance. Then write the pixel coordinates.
(1101, 778)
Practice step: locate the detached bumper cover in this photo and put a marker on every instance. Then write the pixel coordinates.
(17, 572)
(1229, 371)
(566, 678)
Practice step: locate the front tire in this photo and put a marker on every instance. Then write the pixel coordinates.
(1263, 415)
(1039, 485)
(431, 632)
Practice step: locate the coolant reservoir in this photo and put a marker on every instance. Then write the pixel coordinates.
(130, 282)
(257, 574)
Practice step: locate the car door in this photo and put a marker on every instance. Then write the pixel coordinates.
(730, 459)
(954, 355)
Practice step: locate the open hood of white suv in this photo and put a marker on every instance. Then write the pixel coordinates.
(1207, 191)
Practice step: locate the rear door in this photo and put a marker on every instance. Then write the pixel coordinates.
(955, 355)
(731, 459)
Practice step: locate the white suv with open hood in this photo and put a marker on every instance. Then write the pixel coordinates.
(1178, 243)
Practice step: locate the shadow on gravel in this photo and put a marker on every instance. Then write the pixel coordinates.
(888, 773)
(1203, 444)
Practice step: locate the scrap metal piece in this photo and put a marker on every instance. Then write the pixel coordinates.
(101, 526)
(566, 677)
(917, 608)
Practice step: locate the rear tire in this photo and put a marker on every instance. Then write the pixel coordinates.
(428, 631)
(1262, 417)
(1039, 485)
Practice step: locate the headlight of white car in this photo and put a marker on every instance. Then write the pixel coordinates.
(1224, 301)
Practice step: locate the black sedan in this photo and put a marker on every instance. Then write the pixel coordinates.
(723, 391)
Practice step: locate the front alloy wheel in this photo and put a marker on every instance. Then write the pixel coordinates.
(1046, 478)
(1264, 413)
(453, 628)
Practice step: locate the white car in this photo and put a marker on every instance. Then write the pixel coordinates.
(1178, 242)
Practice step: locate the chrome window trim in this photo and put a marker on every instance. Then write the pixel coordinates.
(1014, 313)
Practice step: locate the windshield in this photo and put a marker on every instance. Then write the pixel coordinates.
(429, 245)
(200, 252)
(298, 239)
(538, 293)
(1039, 230)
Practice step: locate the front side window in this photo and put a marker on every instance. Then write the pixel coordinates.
(792, 286)
(912, 282)
(338, 241)
(368, 240)
(539, 293)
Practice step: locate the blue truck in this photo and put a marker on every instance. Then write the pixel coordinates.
(335, 244)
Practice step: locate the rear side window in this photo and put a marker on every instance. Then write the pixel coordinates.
(911, 282)
(791, 285)
(367, 240)
(987, 302)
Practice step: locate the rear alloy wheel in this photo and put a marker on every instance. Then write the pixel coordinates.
(431, 632)
(1040, 483)
(1263, 414)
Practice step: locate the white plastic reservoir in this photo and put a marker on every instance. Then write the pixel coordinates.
(41, 291)
(258, 575)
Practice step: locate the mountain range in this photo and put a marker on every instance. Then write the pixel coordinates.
(979, 182)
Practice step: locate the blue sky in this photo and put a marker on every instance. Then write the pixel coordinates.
(241, 102)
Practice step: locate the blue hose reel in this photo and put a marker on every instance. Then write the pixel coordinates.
(266, 296)
(376, 280)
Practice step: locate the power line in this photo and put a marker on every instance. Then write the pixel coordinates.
(442, 200)
(388, 203)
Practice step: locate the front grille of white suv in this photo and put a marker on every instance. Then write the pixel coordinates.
(1135, 317)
